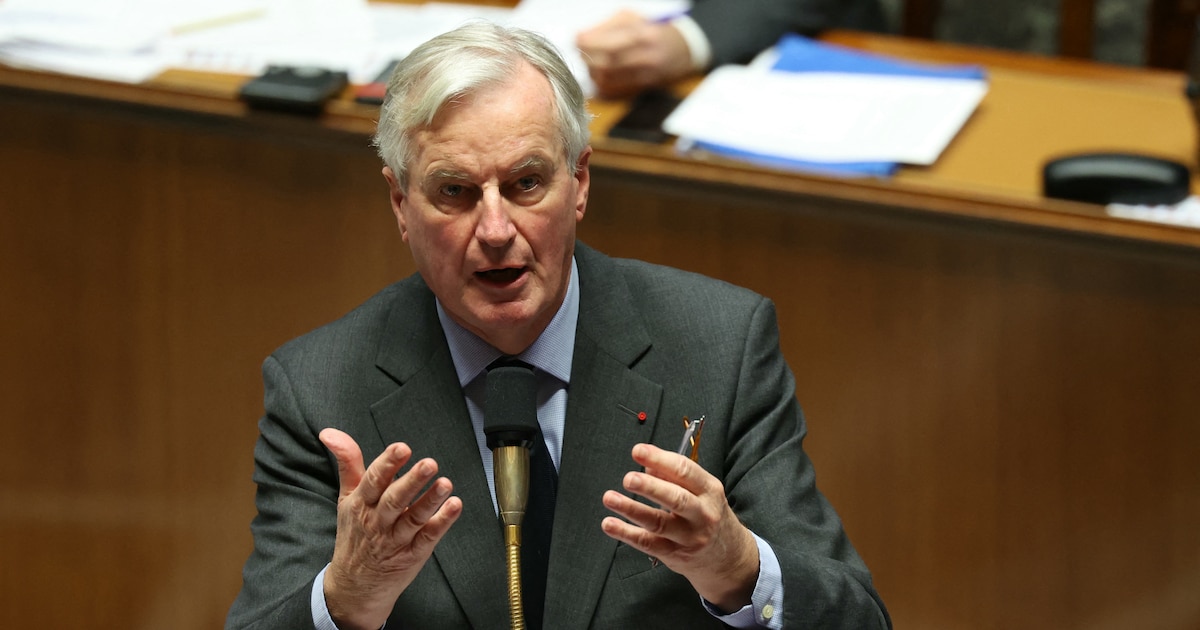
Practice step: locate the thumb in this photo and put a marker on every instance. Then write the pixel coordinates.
(349, 459)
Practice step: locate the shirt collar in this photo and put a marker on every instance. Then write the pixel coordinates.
(551, 352)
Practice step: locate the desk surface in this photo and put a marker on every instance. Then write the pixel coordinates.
(1036, 108)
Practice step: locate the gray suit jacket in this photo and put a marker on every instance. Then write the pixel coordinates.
(740, 29)
(649, 339)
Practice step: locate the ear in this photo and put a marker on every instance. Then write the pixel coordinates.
(396, 194)
(583, 182)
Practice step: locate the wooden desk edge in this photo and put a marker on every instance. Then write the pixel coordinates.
(215, 95)
(1061, 216)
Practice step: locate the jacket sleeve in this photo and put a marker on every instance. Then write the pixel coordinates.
(297, 514)
(738, 30)
(771, 485)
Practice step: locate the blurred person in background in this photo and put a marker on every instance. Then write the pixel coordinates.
(629, 53)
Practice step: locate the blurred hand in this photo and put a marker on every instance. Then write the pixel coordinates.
(695, 533)
(385, 531)
(627, 54)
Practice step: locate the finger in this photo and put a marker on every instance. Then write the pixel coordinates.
(600, 53)
(606, 42)
(612, 27)
(401, 492)
(430, 517)
(672, 467)
(626, 17)
(422, 510)
(646, 517)
(636, 537)
(673, 500)
(349, 458)
(382, 472)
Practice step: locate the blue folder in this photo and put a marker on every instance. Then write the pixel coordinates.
(802, 54)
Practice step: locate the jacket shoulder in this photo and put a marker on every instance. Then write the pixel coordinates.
(359, 331)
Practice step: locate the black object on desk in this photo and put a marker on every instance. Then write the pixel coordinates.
(297, 89)
(372, 93)
(645, 117)
(1124, 178)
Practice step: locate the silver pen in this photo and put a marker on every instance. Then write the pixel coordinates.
(688, 447)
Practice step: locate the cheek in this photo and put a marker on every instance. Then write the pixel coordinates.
(555, 218)
(551, 241)
(441, 239)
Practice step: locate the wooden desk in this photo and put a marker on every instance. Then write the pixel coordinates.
(1002, 390)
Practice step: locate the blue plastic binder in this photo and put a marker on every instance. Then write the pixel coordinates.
(801, 54)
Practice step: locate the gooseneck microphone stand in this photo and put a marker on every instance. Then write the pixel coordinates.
(511, 465)
(510, 424)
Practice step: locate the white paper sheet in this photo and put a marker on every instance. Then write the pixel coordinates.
(106, 65)
(827, 117)
(1186, 212)
(116, 40)
(132, 40)
(335, 34)
(112, 25)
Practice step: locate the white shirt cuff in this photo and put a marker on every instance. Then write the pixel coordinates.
(765, 609)
(320, 612)
(697, 41)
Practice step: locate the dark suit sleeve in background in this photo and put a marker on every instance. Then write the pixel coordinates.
(740, 29)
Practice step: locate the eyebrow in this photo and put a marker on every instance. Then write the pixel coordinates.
(533, 162)
(445, 173)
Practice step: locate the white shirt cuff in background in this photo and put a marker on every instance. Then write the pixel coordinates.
(697, 41)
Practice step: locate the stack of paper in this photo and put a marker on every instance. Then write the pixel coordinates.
(333, 34)
(133, 40)
(117, 40)
(824, 108)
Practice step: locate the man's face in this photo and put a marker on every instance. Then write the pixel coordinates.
(490, 210)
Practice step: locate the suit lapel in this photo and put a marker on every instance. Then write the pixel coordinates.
(602, 424)
(427, 412)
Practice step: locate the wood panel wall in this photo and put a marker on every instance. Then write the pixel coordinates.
(1006, 419)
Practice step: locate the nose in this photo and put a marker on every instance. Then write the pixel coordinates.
(495, 227)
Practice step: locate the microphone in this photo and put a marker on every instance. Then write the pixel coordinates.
(510, 424)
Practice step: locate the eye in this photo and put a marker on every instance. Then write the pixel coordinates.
(451, 190)
(528, 183)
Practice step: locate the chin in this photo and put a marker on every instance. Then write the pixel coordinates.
(504, 316)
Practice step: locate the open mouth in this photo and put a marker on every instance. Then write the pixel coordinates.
(501, 276)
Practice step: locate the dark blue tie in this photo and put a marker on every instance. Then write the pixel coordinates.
(539, 517)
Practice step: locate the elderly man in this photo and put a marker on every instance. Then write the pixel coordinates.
(484, 134)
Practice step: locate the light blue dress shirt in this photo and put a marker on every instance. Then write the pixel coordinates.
(551, 355)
